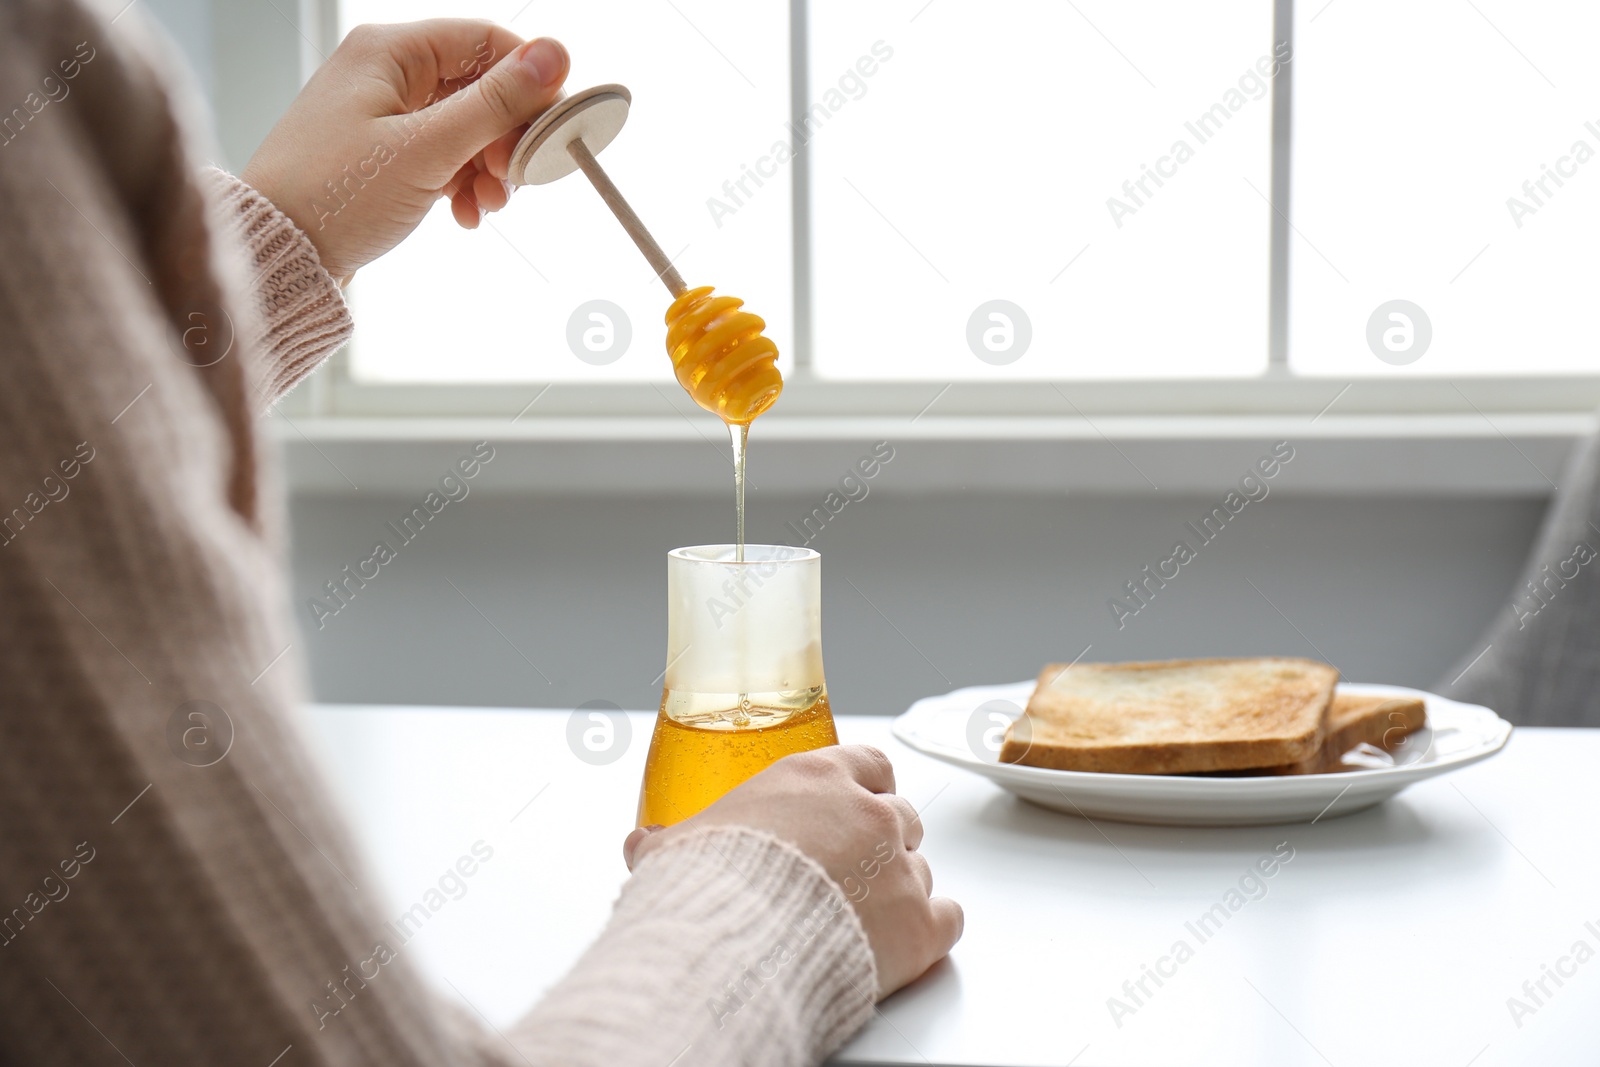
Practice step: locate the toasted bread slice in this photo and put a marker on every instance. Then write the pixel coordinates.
(1380, 721)
(1174, 717)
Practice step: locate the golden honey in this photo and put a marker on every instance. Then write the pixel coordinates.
(721, 357)
(705, 745)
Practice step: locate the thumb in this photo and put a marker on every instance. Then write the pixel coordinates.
(514, 92)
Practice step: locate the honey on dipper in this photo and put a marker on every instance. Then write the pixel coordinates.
(720, 356)
(728, 367)
(742, 692)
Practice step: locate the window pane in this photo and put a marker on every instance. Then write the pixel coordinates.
(984, 158)
(710, 89)
(1416, 127)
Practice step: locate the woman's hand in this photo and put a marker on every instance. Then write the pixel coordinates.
(838, 805)
(399, 116)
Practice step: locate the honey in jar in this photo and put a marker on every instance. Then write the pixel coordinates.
(744, 684)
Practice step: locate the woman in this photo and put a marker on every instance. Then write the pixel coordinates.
(152, 911)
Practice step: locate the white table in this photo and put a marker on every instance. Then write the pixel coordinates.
(1394, 936)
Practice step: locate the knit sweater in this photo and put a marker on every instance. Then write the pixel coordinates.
(161, 902)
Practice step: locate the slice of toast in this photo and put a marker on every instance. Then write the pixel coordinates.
(1380, 721)
(1173, 717)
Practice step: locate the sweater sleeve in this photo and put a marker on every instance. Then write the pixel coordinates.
(301, 310)
(175, 884)
(744, 948)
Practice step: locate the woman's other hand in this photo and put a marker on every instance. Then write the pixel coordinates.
(399, 116)
(838, 805)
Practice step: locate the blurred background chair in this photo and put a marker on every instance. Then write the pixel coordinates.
(1538, 663)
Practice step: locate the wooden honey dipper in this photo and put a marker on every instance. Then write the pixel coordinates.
(719, 354)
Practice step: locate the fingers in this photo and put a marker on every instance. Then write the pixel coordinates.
(464, 49)
(868, 766)
(910, 824)
(472, 192)
(466, 216)
(948, 923)
(515, 90)
(431, 58)
(497, 153)
(490, 192)
(460, 183)
(920, 869)
(463, 203)
(630, 844)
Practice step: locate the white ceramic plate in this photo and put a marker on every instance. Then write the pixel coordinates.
(964, 728)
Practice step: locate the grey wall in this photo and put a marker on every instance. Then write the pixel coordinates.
(972, 588)
(245, 57)
(188, 23)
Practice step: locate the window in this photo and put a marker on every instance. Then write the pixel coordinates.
(1445, 156)
(1246, 198)
(495, 305)
(1101, 168)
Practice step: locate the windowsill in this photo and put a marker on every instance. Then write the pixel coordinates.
(1494, 454)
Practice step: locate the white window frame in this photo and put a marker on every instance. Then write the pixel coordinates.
(333, 406)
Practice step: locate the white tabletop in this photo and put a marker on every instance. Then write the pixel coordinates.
(1393, 936)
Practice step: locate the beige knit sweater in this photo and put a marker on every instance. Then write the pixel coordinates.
(157, 912)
